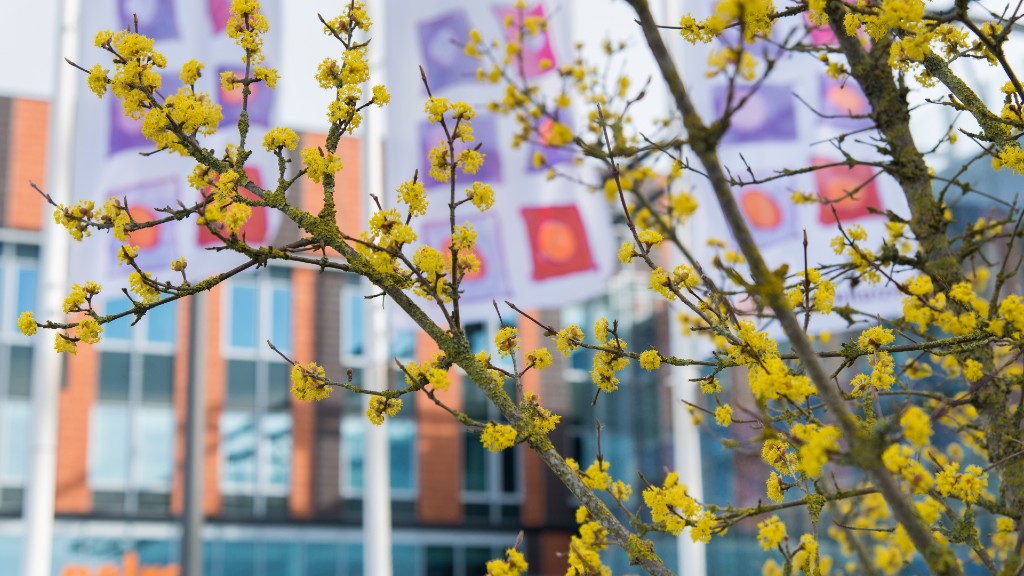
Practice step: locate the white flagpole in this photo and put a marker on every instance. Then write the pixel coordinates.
(47, 367)
(377, 476)
(692, 556)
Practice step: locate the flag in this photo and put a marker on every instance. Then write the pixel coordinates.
(544, 244)
(787, 123)
(109, 145)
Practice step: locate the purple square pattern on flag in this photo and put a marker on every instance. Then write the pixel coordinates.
(261, 101)
(441, 43)
(491, 280)
(157, 244)
(768, 115)
(156, 17)
(126, 133)
(485, 133)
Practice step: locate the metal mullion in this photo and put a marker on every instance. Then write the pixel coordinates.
(135, 360)
(259, 506)
(5, 359)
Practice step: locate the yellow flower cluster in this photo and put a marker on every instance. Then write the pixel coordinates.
(917, 426)
(277, 138)
(247, 27)
(142, 286)
(771, 533)
(27, 323)
(607, 363)
(883, 367)
(674, 509)
(682, 277)
(430, 373)
(309, 382)
(816, 442)
(320, 164)
(379, 406)
(568, 339)
(650, 359)
(513, 565)
(967, 486)
(497, 437)
(507, 341)
(81, 294)
(900, 459)
(539, 358)
(823, 289)
(586, 547)
(723, 415)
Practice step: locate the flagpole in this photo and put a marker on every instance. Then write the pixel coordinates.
(377, 478)
(47, 367)
(686, 453)
(195, 427)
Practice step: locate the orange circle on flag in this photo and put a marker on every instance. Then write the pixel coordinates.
(761, 209)
(146, 237)
(556, 240)
(847, 100)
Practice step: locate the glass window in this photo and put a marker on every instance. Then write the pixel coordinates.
(132, 424)
(490, 481)
(352, 336)
(401, 431)
(256, 425)
(18, 281)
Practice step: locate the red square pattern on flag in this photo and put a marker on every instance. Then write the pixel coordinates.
(853, 192)
(255, 229)
(558, 241)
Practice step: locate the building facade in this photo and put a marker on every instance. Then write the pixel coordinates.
(284, 479)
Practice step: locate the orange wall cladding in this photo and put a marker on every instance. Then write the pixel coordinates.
(439, 440)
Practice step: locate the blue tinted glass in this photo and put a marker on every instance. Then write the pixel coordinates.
(109, 449)
(162, 323)
(404, 560)
(244, 312)
(11, 552)
(119, 329)
(402, 454)
(353, 559)
(26, 290)
(14, 441)
(277, 434)
(281, 331)
(353, 323)
(321, 560)
(352, 441)
(156, 435)
(403, 344)
(281, 560)
(474, 477)
(477, 336)
(239, 558)
(238, 449)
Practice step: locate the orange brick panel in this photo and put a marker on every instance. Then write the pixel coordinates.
(27, 163)
(534, 509)
(300, 500)
(76, 399)
(554, 548)
(216, 390)
(348, 187)
(182, 364)
(439, 451)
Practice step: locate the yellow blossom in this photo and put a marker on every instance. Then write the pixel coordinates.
(379, 406)
(497, 437)
(27, 323)
(309, 382)
(650, 360)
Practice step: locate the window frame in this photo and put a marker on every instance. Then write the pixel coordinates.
(138, 347)
(12, 264)
(267, 285)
